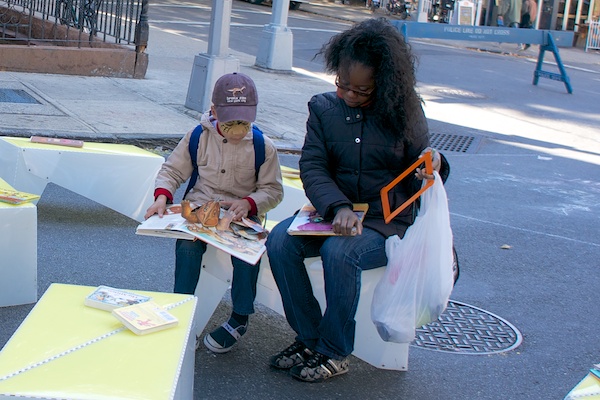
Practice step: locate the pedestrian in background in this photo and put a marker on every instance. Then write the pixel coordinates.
(529, 14)
(358, 139)
(509, 13)
(226, 172)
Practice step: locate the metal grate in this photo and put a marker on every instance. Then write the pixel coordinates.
(466, 329)
(457, 143)
(16, 96)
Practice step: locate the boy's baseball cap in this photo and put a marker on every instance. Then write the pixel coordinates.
(235, 98)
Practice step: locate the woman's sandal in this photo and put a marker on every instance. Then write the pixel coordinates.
(222, 339)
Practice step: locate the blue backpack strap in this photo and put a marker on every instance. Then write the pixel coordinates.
(193, 149)
(259, 152)
(259, 148)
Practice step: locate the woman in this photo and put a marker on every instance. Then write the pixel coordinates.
(358, 140)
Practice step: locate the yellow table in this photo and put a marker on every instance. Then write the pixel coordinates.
(66, 350)
(117, 176)
(588, 389)
(18, 252)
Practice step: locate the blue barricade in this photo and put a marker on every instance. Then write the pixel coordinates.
(547, 39)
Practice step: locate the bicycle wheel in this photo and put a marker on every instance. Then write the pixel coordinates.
(65, 12)
(90, 16)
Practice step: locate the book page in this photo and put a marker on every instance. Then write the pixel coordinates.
(242, 239)
(238, 242)
(309, 222)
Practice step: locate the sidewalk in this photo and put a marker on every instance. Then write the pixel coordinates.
(114, 109)
(524, 201)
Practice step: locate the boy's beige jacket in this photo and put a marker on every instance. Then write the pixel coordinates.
(225, 171)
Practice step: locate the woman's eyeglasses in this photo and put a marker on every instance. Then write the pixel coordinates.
(356, 92)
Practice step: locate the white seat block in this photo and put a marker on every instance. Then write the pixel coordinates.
(117, 176)
(18, 254)
(217, 272)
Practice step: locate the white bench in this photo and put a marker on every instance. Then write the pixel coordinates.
(117, 176)
(18, 252)
(217, 272)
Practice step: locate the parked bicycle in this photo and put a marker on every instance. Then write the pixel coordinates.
(401, 8)
(83, 16)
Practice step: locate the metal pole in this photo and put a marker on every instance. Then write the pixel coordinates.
(216, 62)
(578, 15)
(540, 4)
(142, 29)
(566, 14)
(276, 48)
(220, 20)
(421, 14)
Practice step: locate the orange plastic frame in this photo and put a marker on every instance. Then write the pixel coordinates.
(385, 201)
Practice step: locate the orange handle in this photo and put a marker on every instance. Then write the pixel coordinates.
(385, 201)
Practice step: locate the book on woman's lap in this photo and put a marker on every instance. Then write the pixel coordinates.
(242, 239)
(308, 221)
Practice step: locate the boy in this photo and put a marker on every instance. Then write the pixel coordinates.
(226, 172)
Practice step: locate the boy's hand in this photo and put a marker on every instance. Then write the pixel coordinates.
(239, 208)
(158, 207)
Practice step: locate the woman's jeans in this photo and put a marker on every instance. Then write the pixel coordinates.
(344, 257)
(188, 261)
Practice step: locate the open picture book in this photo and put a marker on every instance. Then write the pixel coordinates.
(309, 222)
(242, 239)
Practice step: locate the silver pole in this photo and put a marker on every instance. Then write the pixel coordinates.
(276, 47)
(216, 62)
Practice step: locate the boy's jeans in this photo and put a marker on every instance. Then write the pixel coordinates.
(188, 261)
(344, 257)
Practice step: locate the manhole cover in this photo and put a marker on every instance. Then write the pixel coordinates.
(16, 96)
(457, 143)
(466, 329)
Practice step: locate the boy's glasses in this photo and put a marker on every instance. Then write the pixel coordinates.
(359, 93)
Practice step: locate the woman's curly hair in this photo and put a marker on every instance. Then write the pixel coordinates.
(377, 44)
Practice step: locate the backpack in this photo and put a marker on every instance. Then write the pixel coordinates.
(259, 152)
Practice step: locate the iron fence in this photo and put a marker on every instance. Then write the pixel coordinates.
(593, 36)
(74, 22)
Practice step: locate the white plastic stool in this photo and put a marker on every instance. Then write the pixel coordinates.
(18, 253)
(117, 176)
(217, 273)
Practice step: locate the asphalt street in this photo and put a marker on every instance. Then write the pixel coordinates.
(524, 197)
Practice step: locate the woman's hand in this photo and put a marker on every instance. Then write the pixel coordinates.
(436, 161)
(346, 223)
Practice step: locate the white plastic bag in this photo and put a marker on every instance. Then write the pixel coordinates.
(418, 280)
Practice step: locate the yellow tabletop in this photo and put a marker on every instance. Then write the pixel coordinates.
(64, 349)
(588, 389)
(88, 147)
(291, 177)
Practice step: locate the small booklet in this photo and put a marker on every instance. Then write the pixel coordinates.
(57, 141)
(144, 318)
(108, 298)
(242, 239)
(12, 196)
(309, 222)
